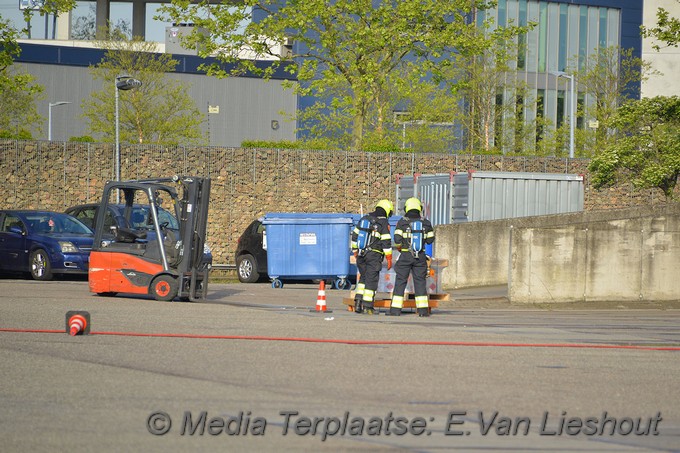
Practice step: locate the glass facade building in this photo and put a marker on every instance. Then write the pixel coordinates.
(567, 33)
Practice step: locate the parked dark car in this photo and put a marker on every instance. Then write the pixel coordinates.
(43, 243)
(140, 219)
(251, 257)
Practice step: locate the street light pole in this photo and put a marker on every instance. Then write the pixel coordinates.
(572, 109)
(117, 151)
(572, 116)
(123, 82)
(49, 116)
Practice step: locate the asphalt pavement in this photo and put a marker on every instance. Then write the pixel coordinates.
(255, 368)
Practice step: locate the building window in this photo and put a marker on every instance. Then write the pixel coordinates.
(502, 13)
(522, 39)
(542, 35)
(603, 28)
(540, 114)
(564, 29)
(560, 108)
(582, 37)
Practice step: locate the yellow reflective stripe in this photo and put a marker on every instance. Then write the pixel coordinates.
(398, 231)
(430, 234)
(421, 302)
(360, 288)
(368, 295)
(406, 234)
(387, 252)
(385, 236)
(354, 245)
(397, 301)
(356, 230)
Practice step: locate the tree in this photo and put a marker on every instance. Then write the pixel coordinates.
(352, 49)
(85, 28)
(491, 99)
(54, 7)
(18, 91)
(611, 76)
(667, 30)
(160, 111)
(647, 146)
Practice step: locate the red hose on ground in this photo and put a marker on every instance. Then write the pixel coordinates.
(363, 342)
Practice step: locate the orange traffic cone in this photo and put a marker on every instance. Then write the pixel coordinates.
(321, 299)
(77, 323)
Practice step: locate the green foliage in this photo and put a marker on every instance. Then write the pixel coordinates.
(9, 47)
(281, 144)
(53, 7)
(20, 134)
(18, 91)
(85, 27)
(353, 52)
(158, 112)
(667, 30)
(82, 139)
(647, 146)
(286, 144)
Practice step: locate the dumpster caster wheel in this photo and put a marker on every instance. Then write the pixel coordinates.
(276, 283)
(342, 283)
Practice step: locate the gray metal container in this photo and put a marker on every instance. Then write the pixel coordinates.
(470, 196)
(505, 195)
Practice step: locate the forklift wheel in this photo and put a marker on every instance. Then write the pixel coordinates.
(163, 287)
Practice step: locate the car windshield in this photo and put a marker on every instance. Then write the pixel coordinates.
(53, 222)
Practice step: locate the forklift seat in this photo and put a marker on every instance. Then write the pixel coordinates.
(128, 235)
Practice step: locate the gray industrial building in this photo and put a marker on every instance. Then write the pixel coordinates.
(236, 108)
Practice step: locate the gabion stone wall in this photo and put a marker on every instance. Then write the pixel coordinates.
(246, 183)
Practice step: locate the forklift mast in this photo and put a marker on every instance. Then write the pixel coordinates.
(171, 265)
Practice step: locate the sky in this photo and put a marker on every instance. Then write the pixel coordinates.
(155, 30)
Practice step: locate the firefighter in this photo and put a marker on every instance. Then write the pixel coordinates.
(378, 245)
(412, 258)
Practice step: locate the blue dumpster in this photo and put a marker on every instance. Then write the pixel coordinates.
(303, 246)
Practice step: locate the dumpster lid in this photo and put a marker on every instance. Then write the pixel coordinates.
(306, 218)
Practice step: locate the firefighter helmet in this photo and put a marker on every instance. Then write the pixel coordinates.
(386, 205)
(413, 203)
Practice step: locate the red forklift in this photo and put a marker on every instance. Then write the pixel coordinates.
(156, 245)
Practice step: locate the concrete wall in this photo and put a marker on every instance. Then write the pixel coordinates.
(623, 260)
(479, 252)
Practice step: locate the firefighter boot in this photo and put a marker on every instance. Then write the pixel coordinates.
(369, 310)
(358, 305)
(394, 311)
(423, 312)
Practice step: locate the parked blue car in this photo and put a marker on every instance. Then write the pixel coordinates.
(43, 243)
